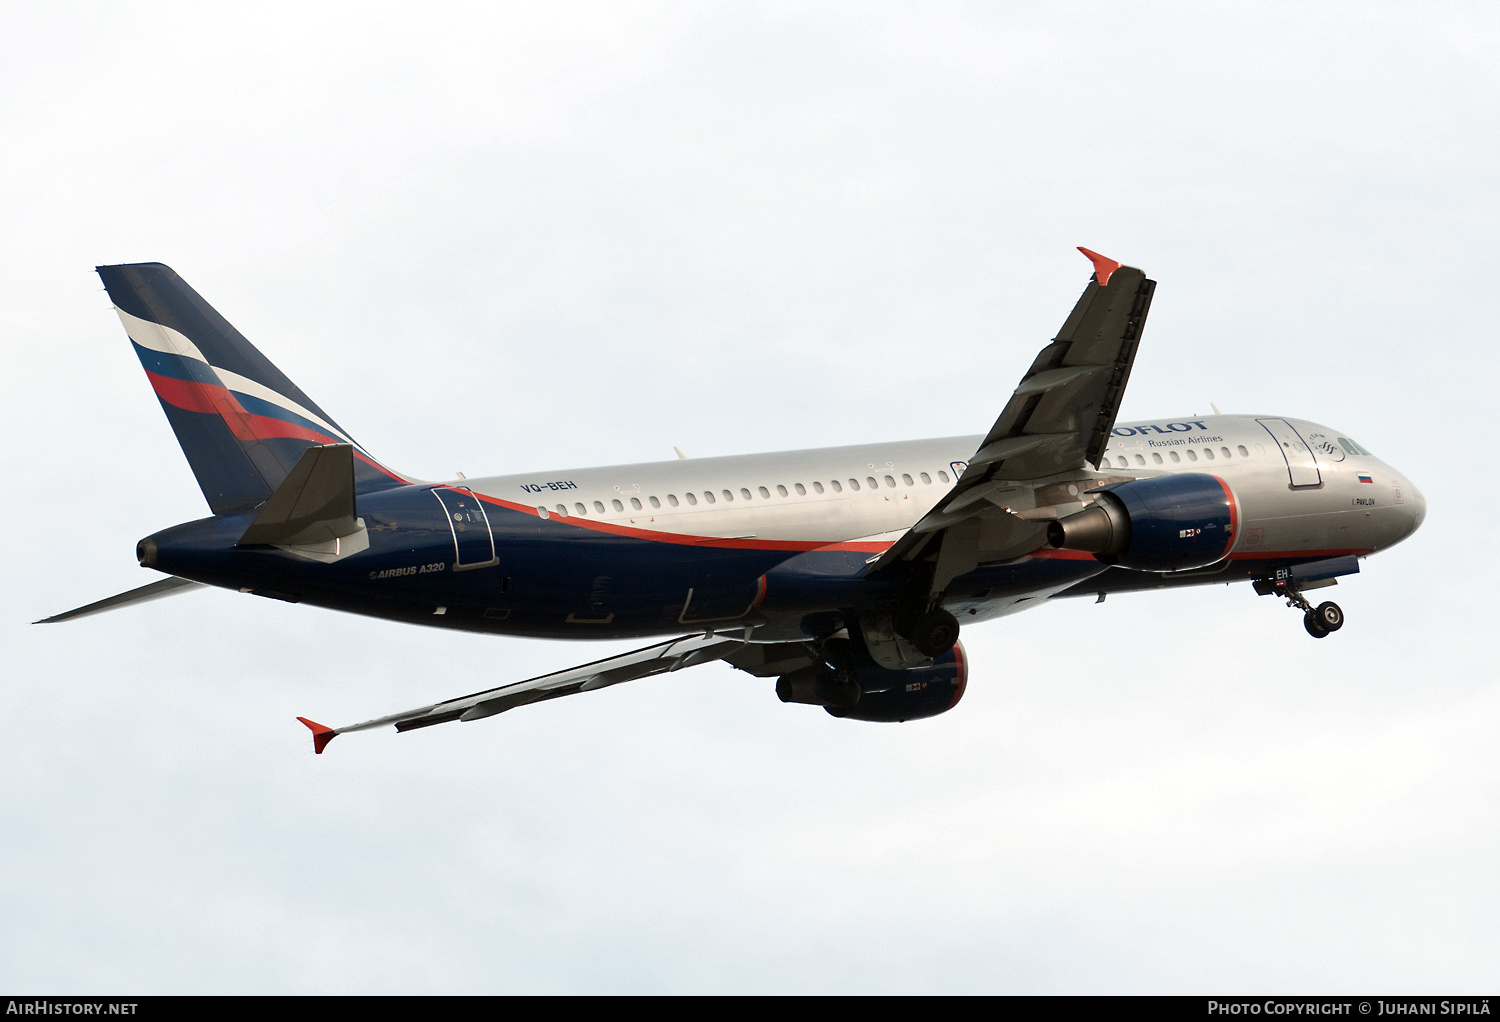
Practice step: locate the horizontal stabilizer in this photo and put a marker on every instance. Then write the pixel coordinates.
(315, 504)
(154, 591)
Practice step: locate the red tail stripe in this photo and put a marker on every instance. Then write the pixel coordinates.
(208, 399)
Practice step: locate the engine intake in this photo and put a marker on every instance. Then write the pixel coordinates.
(1163, 523)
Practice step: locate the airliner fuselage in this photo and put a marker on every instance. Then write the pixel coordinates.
(648, 549)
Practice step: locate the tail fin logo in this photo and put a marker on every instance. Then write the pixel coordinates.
(186, 379)
(241, 422)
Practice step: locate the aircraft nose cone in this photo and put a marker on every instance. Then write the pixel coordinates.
(1417, 509)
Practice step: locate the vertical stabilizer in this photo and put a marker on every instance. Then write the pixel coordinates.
(241, 423)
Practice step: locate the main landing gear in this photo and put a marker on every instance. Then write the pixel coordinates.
(933, 632)
(1320, 621)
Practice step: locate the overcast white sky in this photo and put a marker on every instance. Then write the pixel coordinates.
(502, 238)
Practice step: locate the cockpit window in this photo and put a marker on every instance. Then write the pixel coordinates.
(1352, 447)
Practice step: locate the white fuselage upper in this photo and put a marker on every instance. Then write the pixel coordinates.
(1301, 488)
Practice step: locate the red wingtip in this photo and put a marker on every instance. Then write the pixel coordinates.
(1104, 267)
(321, 735)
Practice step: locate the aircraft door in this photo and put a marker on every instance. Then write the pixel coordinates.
(473, 543)
(1301, 465)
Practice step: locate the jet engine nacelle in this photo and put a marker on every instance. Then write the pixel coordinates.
(1163, 523)
(863, 690)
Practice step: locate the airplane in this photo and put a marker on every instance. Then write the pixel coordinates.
(844, 573)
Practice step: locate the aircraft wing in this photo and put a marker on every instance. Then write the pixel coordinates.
(1058, 419)
(672, 655)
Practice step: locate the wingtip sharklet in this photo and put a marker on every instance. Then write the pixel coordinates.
(321, 735)
(1104, 266)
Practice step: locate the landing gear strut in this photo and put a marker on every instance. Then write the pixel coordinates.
(1319, 621)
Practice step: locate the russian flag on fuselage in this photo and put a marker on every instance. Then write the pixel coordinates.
(240, 421)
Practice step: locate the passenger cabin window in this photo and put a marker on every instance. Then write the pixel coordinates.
(817, 487)
(708, 495)
(618, 505)
(580, 509)
(871, 483)
(906, 478)
(1156, 457)
(655, 502)
(854, 484)
(1174, 456)
(599, 506)
(836, 487)
(925, 477)
(890, 482)
(728, 496)
(672, 499)
(1192, 456)
(1225, 451)
(801, 490)
(635, 502)
(746, 493)
(562, 509)
(942, 476)
(1122, 462)
(1140, 460)
(1243, 453)
(692, 499)
(1208, 452)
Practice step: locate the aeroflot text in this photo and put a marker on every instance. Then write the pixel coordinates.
(1171, 427)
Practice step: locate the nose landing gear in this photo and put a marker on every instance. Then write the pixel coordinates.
(1320, 621)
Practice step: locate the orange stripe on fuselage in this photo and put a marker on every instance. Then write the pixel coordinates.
(689, 539)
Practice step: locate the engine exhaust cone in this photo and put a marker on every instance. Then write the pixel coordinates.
(1102, 530)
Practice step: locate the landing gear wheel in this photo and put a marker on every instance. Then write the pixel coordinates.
(1329, 616)
(1314, 627)
(934, 633)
